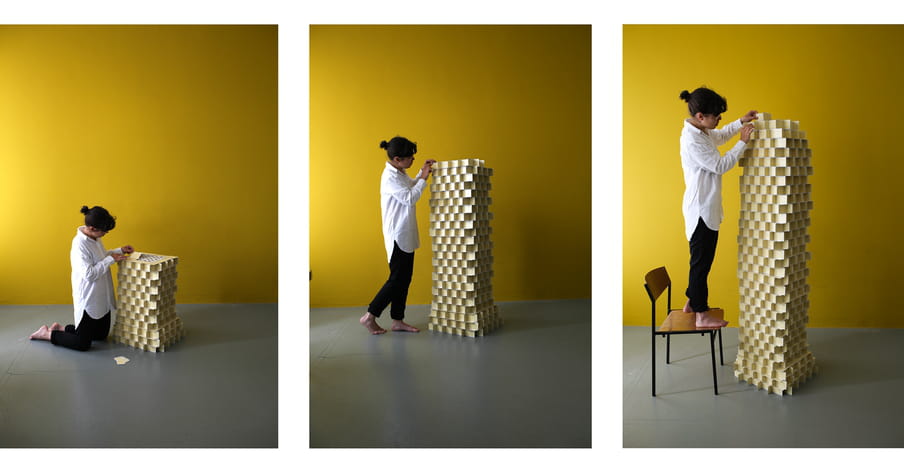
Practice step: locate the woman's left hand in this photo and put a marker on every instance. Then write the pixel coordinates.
(750, 116)
(746, 132)
(427, 169)
(127, 249)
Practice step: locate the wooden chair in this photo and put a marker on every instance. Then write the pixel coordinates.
(678, 322)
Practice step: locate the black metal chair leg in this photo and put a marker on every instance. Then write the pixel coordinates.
(653, 343)
(712, 354)
(721, 359)
(668, 349)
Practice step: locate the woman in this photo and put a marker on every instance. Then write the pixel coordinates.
(399, 194)
(703, 169)
(92, 284)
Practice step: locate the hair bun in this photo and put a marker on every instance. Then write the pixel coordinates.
(85, 209)
(685, 95)
(384, 145)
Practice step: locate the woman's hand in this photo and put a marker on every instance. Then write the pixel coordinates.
(427, 169)
(127, 249)
(750, 116)
(119, 257)
(746, 132)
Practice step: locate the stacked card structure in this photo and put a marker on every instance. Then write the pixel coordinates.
(773, 353)
(462, 250)
(146, 298)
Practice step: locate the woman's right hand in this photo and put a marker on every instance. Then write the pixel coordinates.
(750, 116)
(747, 132)
(119, 257)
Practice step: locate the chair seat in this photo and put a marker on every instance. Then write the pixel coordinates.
(680, 322)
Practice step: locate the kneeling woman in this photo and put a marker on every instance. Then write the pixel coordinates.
(92, 284)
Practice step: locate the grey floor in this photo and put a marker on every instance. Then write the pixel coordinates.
(217, 387)
(527, 384)
(853, 401)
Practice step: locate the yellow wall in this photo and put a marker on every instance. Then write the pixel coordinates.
(516, 96)
(844, 85)
(173, 129)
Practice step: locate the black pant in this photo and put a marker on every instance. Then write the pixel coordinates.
(80, 338)
(703, 251)
(395, 290)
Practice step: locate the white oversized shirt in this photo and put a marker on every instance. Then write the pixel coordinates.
(398, 194)
(703, 169)
(92, 282)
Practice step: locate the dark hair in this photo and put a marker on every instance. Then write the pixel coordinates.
(399, 147)
(704, 100)
(99, 218)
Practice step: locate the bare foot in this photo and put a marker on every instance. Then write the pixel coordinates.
(370, 322)
(704, 320)
(399, 325)
(687, 306)
(43, 333)
(56, 327)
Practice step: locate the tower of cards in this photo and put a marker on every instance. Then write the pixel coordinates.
(773, 353)
(462, 250)
(147, 302)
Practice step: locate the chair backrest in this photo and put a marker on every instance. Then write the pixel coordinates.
(657, 280)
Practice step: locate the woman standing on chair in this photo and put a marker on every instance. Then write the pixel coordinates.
(92, 284)
(398, 195)
(702, 206)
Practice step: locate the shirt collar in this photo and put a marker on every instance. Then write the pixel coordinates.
(392, 168)
(83, 235)
(692, 128)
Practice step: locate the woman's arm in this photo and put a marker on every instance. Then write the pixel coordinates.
(83, 263)
(403, 192)
(708, 157)
(127, 249)
(721, 136)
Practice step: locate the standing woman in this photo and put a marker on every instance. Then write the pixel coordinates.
(92, 284)
(703, 169)
(398, 196)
